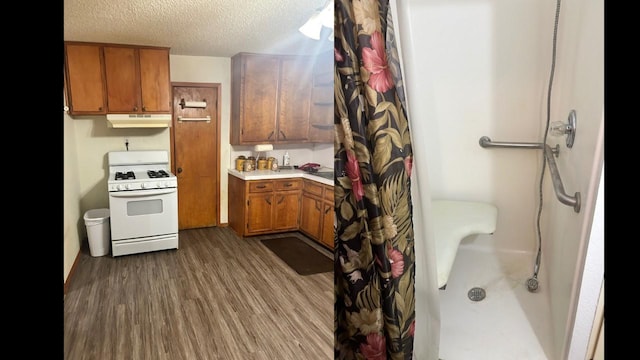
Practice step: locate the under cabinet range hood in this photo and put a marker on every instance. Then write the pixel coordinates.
(139, 120)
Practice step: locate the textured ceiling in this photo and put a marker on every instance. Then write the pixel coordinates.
(219, 28)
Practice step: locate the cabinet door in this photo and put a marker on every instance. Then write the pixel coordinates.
(123, 81)
(155, 84)
(328, 225)
(310, 216)
(286, 210)
(295, 97)
(258, 99)
(84, 79)
(259, 212)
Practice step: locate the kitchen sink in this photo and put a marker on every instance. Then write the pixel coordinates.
(325, 174)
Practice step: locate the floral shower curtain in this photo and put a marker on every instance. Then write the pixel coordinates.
(374, 252)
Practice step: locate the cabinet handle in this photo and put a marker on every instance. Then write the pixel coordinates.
(144, 108)
(135, 108)
(100, 108)
(270, 135)
(281, 200)
(261, 186)
(326, 211)
(283, 135)
(288, 184)
(318, 205)
(267, 200)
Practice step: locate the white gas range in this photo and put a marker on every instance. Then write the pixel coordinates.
(143, 202)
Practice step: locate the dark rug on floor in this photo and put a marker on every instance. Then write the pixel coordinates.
(302, 258)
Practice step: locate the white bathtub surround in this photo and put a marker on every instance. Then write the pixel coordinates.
(474, 69)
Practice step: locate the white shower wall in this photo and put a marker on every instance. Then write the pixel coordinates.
(579, 86)
(483, 72)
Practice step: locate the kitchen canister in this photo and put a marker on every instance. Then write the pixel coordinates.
(262, 164)
(240, 163)
(248, 165)
(252, 160)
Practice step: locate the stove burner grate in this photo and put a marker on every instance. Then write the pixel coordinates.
(157, 174)
(125, 176)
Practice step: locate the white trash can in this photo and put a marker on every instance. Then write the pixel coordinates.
(98, 231)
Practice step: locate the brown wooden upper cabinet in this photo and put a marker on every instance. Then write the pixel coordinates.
(137, 79)
(112, 78)
(84, 79)
(271, 96)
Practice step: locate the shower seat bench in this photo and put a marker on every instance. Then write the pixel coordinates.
(453, 220)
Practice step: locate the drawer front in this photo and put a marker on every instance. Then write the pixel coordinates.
(313, 187)
(260, 186)
(289, 184)
(328, 193)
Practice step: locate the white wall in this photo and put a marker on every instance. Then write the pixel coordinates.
(298, 154)
(94, 139)
(73, 222)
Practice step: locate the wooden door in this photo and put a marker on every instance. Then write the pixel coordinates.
(123, 81)
(295, 99)
(196, 154)
(154, 80)
(84, 79)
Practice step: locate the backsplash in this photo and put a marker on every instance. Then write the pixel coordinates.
(298, 153)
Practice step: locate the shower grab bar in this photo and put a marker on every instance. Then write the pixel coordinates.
(549, 152)
(486, 142)
(562, 196)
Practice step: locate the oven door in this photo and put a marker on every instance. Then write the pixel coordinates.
(143, 213)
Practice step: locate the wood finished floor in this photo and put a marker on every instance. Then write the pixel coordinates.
(216, 297)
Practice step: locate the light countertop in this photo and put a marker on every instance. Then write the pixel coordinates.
(269, 174)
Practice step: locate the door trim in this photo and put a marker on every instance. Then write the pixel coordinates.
(217, 88)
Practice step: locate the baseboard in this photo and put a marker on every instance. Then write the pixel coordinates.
(67, 281)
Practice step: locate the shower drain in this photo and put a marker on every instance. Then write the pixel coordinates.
(476, 294)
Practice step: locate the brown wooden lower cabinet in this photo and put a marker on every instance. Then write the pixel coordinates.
(279, 205)
(328, 218)
(264, 206)
(317, 212)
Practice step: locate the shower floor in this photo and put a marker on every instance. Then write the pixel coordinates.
(509, 323)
